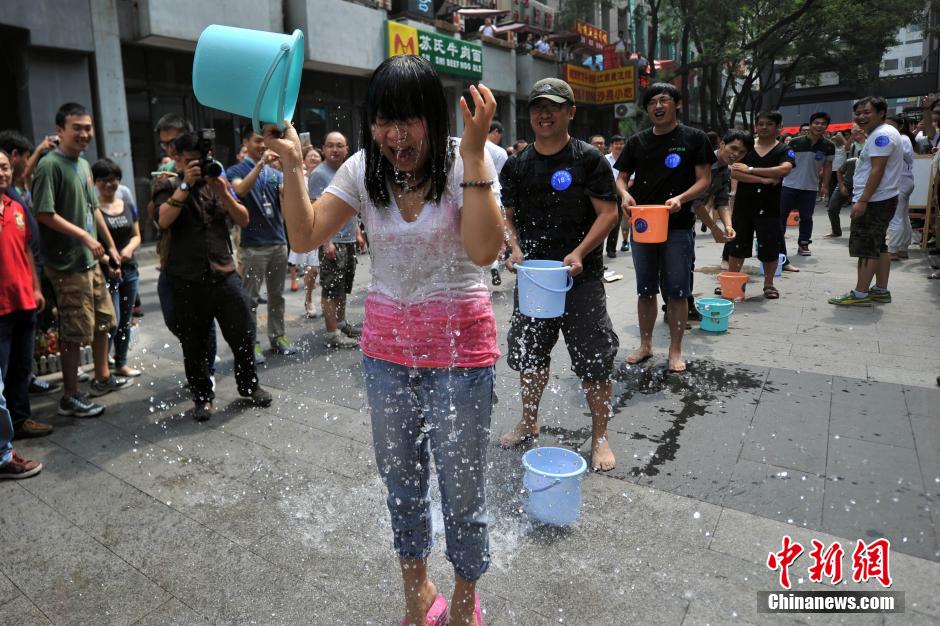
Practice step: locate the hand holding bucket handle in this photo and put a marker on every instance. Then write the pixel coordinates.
(531, 276)
(296, 39)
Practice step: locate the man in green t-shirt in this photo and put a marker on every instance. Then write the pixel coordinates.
(70, 226)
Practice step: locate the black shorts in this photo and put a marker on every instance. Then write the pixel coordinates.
(747, 222)
(589, 335)
(868, 231)
(336, 276)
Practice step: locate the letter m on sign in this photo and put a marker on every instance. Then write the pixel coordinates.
(402, 39)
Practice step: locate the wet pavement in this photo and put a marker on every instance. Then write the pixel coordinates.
(801, 420)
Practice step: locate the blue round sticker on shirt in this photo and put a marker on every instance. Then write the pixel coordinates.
(561, 180)
(673, 160)
(882, 141)
(820, 156)
(640, 225)
(791, 154)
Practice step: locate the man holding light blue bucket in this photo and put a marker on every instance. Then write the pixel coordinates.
(560, 204)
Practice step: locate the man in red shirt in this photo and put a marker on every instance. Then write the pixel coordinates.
(20, 298)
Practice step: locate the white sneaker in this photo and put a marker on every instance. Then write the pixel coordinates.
(336, 339)
(311, 310)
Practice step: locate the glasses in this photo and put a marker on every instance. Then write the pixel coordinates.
(663, 100)
(546, 107)
(383, 124)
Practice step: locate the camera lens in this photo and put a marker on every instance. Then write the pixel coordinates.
(213, 169)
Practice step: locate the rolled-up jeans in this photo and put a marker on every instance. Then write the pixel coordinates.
(900, 232)
(444, 411)
(123, 297)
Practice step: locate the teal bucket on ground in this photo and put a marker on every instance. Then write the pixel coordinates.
(553, 477)
(543, 287)
(780, 262)
(715, 312)
(251, 73)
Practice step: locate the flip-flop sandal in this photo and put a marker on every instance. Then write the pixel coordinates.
(771, 293)
(790, 268)
(436, 615)
(934, 276)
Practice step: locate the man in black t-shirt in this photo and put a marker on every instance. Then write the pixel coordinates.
(201, 274)
(757, 200)
(560, 204)
(671, 164)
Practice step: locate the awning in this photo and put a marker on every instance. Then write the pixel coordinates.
(481, 12)
(833, 128)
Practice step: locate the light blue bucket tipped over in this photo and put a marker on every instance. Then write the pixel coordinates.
(251, 73)
(780, 262)
(553, 477)
(715, 312)
(543, 287)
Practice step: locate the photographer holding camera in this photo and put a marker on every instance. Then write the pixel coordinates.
(202, 274)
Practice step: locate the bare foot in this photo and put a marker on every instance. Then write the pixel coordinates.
(415, 615)
(602, 457)
(640, 355)
(520, 434)
(790, 268)
(676, 362)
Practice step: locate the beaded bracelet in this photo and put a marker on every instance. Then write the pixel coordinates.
(477, 183)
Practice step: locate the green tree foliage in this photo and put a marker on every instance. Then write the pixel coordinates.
(751, 52)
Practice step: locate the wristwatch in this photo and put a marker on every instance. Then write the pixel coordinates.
(184, 186)
(749, 170)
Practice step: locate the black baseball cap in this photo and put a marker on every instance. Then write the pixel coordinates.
(553, 89)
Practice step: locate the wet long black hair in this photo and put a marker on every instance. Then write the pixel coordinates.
(402, 88)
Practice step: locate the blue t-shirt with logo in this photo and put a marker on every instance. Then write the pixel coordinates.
(265, 223)
(664, 166)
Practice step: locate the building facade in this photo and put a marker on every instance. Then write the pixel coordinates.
(130, 62)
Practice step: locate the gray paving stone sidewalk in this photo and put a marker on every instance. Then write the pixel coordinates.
(802, 420)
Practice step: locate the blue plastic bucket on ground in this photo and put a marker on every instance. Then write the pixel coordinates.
(543, 286)
(780, 262)
(251, 73)
(715, 312)
(553, 477)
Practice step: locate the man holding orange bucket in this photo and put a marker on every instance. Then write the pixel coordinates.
(671, 164)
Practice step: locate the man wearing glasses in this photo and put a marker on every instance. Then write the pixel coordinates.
(671, 164)
(560, 204)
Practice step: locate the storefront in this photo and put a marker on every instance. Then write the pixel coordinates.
(159, 81)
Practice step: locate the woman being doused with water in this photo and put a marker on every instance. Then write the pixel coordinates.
(429, 203)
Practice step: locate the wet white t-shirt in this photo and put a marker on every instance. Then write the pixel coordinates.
(884, 141)
(414, 261)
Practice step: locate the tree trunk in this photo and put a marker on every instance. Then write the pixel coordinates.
(653, 37)
(685, 72)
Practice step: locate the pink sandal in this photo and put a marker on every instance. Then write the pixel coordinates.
(436, 615)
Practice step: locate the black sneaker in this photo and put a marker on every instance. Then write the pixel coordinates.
(113, 383)
(202, 411)
(260, 397)
(611, 254)
(497, 279)
(38, 386)
(79, 406)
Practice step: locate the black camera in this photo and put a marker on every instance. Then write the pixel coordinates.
(209, 166)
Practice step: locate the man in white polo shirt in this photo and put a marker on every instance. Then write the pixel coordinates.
(875, 198)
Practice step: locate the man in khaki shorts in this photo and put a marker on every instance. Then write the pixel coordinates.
(70, 226)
